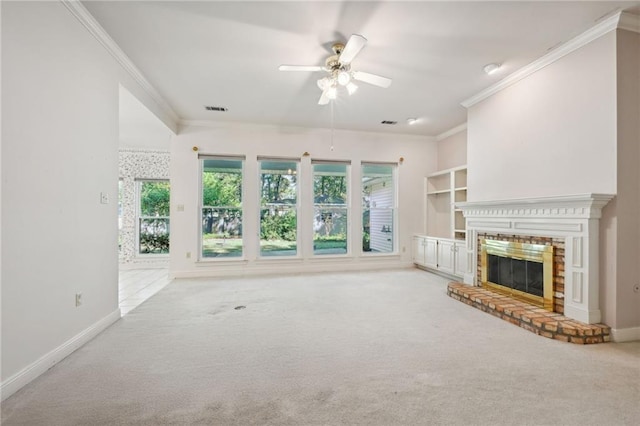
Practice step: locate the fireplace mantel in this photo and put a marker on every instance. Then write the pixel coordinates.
(573, 217)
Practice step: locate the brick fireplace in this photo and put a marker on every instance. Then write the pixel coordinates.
(568, 223)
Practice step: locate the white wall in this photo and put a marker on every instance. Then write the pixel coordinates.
(138, 127)
(420, 158)
(59, 152)
(628, 199)
(553, 133)
(452, 151)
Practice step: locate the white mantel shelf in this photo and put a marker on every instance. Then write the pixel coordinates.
(572, 217)
(566, 206)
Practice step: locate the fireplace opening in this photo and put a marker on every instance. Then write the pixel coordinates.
(517, 274)
(523, 271)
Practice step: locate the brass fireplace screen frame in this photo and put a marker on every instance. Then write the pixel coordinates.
(522, 251)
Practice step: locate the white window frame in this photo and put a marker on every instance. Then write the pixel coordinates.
(298, 254)
(394, 208)
(349, 236)
(243, 160)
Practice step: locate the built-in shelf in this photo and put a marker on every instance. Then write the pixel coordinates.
(442, 190)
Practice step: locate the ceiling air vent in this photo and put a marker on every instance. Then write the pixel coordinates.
(215, 108)
(391, 123)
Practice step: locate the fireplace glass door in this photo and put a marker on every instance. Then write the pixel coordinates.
(524, 271)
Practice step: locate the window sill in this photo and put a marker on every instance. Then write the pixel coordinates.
(225, 261)
(142, 256)
(368, 254)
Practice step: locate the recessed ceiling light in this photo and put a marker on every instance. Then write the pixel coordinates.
(412, 121)
(491, 68)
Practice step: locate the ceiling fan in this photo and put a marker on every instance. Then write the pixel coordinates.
(338, 66)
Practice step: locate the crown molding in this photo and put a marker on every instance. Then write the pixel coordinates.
(81, 13)
(451, 132)
(629, 22)
(600, 29)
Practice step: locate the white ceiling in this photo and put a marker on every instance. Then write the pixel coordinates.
(228, 53)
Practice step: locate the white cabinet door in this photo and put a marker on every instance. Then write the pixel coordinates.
(446, 256)
(431, 252)
(460, 258)
(418, 250)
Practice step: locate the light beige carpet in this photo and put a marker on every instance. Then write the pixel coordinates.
(379, 348)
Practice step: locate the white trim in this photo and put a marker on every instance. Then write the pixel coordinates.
(451, 132)
(625, 334)
(78, 10)
(629, 22)
(564, 49)
(566, 206)
(446, 171)
(32, 371)
(315, 265)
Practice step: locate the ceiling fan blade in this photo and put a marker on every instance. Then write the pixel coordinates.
(300, 68)
(354, 46)
(324, 99)
(373, 79)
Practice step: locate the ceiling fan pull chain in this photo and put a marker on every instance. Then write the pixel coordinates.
(331, 149)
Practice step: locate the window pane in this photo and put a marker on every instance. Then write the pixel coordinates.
(153, 217)
(330, 208)
(378, 208)
(278, 213)
(221, 208)
(154, 198)
(154, 235)
(221, 232)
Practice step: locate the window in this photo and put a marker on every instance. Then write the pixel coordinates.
(278, 207)
(221, 207)
(153, 217)
(378, 207)
(330, 208)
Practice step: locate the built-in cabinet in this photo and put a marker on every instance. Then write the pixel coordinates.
(440, 254)
(443, 248)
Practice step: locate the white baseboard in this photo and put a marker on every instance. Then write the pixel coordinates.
(625, 334)
(29, 373)
(213, 270)
(144, 264)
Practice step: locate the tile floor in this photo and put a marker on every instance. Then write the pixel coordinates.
(137, 285)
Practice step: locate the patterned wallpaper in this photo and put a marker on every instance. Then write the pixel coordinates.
(135, 165)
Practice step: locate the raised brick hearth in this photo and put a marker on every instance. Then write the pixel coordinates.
(537, 320)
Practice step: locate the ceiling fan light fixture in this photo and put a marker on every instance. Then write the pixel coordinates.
(323, 83)
(491, 68)
(344, 78)
(351, 88)
(332, 92)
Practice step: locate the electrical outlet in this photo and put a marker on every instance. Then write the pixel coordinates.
(188, 255)
(78, 299)
(180, 207)
(404, 249)
(104, 198)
